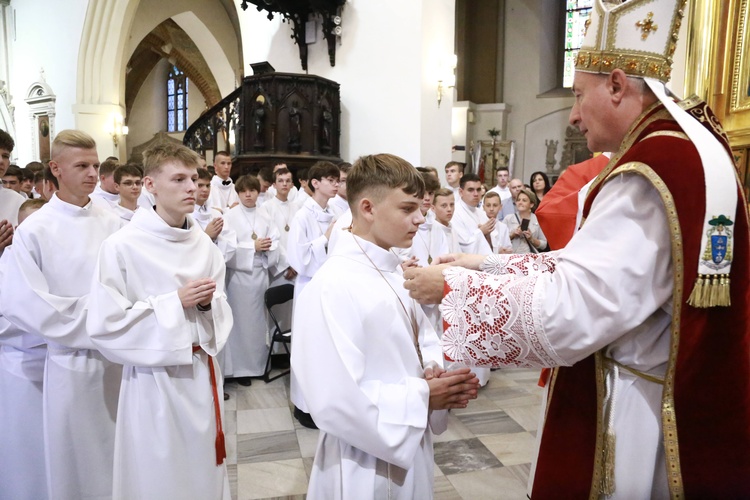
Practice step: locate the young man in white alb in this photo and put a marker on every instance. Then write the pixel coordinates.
(22, 358)
(499, 237)
(10, 201)
(256, 250)
(307, 250)
(453, 172)
(370, 365)
(338, 203)
(223, 196)
(469, 222)
(107, 188)
(158, 307)
(502, 188)
(45, 291)
(129, 181)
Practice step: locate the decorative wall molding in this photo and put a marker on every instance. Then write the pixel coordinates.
(41, 100)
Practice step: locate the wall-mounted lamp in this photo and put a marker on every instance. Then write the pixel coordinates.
(448, 78)
(115, 128)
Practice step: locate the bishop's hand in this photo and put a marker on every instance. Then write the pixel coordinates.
(425, 284)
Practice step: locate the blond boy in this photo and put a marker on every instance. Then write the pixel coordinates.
(44, 290)
(158, 307)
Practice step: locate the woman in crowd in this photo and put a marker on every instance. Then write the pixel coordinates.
(525, 233)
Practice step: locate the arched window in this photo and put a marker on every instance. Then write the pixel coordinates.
(177, 100)
(576, 14)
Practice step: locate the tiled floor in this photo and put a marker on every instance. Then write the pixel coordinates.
(485, 453)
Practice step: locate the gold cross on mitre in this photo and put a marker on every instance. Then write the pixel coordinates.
(647, 25)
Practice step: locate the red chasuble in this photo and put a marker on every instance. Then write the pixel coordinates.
(558, 209)
(706, 399)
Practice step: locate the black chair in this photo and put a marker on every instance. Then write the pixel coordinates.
(275, 296)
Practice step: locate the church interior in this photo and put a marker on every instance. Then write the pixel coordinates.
(483, 82)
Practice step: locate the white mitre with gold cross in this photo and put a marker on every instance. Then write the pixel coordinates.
(639, 37)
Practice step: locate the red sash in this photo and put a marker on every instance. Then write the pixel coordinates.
(221, 450)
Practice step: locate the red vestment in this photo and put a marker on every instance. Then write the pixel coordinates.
(706, 398)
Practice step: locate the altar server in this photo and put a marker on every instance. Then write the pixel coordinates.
(22, 357)
(256, 250)
(370, 364)
(158, 307)
(45, 291)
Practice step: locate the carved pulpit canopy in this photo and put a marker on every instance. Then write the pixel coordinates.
(298, 13)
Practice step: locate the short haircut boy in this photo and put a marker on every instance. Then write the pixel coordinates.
(430, 183)
(303, 174)
(14, 171)
(492, 194)
(322, 170)
(35, 166)
(71, 139)
(50, 177)
(6, 141)
(130, 169)
(344, 167)
(374, 175)
(281, 171)
(443, 192)
(266, 173)
(107, 168)
(204, 174)
(158, 154)
(468, 178)
(31, 204)
(458, 164)
(247, 183)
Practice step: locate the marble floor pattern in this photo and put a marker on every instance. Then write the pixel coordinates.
(486, 452)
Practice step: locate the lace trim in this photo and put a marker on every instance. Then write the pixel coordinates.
(495, 320)
(522, 264)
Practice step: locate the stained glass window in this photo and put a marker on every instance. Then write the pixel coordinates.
(576, 14)
(177, 100)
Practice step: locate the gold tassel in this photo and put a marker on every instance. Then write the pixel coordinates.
(714, 291)
(710, 291)
(725, 299)
(696, 298)
(608, 473)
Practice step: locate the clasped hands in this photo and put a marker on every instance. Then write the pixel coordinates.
(450, 388)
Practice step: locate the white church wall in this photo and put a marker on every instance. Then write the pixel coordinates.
(524, 39)
(386, 84)
(47, 36)
(550, 127)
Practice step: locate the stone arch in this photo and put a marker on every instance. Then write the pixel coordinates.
(104, 51)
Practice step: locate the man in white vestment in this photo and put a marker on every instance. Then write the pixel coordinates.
(158, 307)
(641, 312)
(223, 196)
(453, 172)
(107, 188)
(272, 190)
(10, 201)
(210, 219)
(45, 291)
(469, 222)
(499, 237)
(502, 188)
(307, 250)
(129, 181)
(370, 364)
(338, 203)
(256, 249)
(22, 357)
